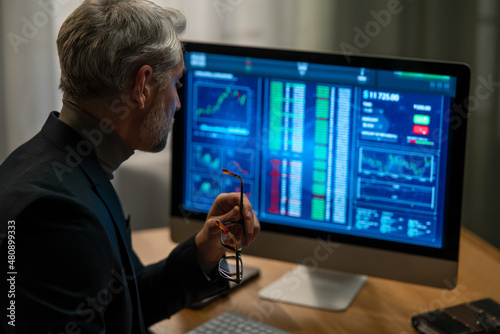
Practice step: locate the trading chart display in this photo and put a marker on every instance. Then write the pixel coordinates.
(342, 149)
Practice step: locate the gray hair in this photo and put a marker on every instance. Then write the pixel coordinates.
(103, 43)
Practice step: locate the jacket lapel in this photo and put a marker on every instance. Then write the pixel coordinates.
(109, 197)
(68, 140)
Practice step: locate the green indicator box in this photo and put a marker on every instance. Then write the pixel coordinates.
(321, 132)
(275, 141)
(321, 113)
(319, 164)
(276, 85)
(319, 176)
(321, 125)
(421, 119)
(320, 152)
(321, 105)
(318, 208)
(323, 91)
(319, 189)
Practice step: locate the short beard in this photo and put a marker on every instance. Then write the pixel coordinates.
(155, 129)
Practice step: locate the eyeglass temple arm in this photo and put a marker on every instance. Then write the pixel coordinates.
(223, 228)
(225, 171)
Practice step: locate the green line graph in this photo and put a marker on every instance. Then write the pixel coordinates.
(221, 100)
(395, 163)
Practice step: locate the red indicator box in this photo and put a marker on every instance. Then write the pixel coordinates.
(421, 130)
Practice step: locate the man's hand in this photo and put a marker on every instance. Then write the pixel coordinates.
(226, 209)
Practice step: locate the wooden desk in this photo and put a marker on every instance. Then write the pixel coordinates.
(382, 306)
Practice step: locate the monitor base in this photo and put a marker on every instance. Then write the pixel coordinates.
(315, 287)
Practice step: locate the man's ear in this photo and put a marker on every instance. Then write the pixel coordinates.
(143, 86)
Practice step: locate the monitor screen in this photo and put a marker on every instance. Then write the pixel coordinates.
(365, 151)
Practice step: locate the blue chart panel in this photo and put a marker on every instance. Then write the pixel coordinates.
(224, 104)
(239, 162)
(207, 158)
(235, 186)
(396, 193)
(409, 166)
(205, 189)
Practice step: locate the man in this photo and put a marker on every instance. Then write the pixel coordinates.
(70, 263)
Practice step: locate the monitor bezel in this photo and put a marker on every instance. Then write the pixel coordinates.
(456, 155)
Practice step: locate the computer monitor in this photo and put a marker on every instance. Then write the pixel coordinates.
(353, 164)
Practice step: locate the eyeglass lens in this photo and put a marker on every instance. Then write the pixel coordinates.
(228, 268)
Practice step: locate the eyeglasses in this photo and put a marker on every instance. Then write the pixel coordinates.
(232, 236)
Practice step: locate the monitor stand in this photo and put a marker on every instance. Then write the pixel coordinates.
(315, 287)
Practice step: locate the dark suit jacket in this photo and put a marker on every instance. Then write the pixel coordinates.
(75, 266)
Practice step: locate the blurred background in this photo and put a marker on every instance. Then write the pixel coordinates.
(455, 30)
